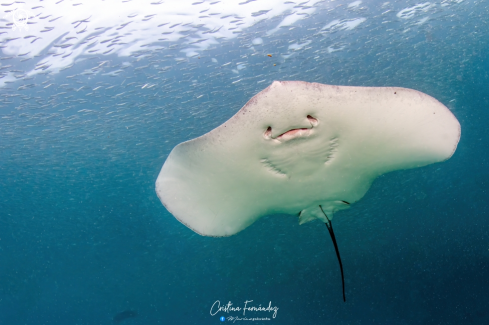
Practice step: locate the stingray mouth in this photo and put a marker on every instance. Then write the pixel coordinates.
(293, 133)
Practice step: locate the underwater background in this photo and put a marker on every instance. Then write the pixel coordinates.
(94, 96)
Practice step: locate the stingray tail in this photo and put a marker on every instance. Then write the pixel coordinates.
(329, 225)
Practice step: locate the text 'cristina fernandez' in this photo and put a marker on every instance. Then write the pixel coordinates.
(216, 307)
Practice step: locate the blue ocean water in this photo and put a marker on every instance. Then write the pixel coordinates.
(83, 236)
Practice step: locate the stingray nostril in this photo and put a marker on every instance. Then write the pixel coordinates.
(268, 133)
(314, 121)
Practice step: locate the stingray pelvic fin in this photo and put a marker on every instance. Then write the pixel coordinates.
(329, 225)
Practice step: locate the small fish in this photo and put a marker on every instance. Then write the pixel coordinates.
(269, 55)
(124, 315)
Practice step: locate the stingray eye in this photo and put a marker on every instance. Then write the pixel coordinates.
(268, 133)
(314, 121)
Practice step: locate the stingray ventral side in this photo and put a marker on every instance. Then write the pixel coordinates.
(304, 149)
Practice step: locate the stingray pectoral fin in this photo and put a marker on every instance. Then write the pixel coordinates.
(329, 225)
